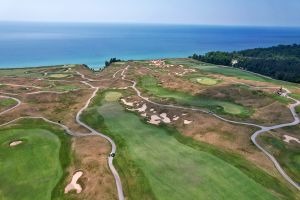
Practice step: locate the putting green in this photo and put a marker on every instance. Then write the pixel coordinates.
(172, 170)
(32, 169)
(58, 75)
(112, 96)
(207, 81)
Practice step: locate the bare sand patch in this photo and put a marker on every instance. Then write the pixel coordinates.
(74, 185)
(143, 108)
(15, 143)
(186, 122)
(165, 118)
(175, 118)
(154, 120)
(288, 139)
(127, 103)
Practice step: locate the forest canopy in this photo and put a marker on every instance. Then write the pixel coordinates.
(280, 62)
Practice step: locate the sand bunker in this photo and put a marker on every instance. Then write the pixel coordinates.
(154, 120)
(187, 122)
(165, 119)
(127, 103)
(290, 138)
(175, 118)
(143, 108)
(74, 185)
(15, 143)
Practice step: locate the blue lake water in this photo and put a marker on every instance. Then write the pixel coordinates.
(41, 44)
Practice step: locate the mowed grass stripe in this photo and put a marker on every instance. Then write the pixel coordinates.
(174, 170)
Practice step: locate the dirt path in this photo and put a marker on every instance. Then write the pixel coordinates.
(113, 145)
(263, 129)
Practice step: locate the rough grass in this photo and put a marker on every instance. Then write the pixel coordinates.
(170, 166)
(36, 72)
(32, 169)
(296, 96)
(149, 84)
(287, 154)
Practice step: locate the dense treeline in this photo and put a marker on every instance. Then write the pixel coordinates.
(112, 60)
(279, 62)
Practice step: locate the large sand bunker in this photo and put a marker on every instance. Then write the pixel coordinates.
(15, 143)
(74, 185)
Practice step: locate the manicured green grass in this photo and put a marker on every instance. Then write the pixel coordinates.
(6, 103)
(65, 88)
(149, 84)
(32, 169)
(112, 96)
(170, 166)
(206, 81)
(57, 76)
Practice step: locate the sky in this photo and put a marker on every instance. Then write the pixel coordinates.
(205, 12)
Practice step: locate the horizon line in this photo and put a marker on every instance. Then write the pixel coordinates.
(151, 23)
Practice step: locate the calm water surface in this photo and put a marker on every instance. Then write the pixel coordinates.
(37, 44)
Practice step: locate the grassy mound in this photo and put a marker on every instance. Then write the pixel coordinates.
(32, 169)
(149, 84)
